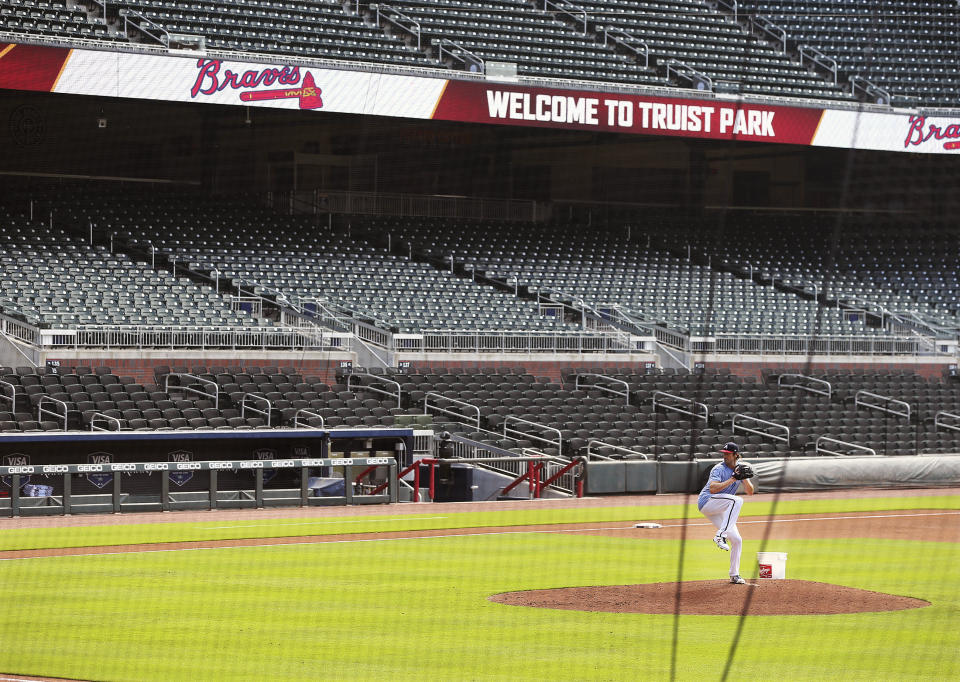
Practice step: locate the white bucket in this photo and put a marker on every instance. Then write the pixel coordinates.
(772, 565)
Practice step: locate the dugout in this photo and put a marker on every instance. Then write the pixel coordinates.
(271, 478)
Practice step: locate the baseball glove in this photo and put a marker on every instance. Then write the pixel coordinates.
(742, 471)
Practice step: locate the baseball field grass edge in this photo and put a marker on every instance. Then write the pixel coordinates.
(418, 609)
(247, 527)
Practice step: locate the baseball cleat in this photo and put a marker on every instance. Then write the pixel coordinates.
(737, 580)
(721, 542)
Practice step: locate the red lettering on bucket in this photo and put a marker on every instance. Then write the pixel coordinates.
(766, 570)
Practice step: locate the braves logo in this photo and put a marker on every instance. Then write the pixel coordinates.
(212, 78)
(920, 131)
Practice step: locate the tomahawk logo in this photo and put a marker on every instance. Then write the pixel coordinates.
(101, 480)
(180, 478)
(213, 78)
(16, 460)
(263, 454)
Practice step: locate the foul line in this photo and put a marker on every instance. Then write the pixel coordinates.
(824, 518)
(312, 523)
(456, 535)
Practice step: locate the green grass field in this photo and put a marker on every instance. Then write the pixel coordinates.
(417, 608)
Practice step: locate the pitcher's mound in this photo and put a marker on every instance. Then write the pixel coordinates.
(714, 598)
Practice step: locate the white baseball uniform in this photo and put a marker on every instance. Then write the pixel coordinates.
(723, 510)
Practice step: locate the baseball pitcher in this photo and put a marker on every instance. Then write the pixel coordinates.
(718, 501)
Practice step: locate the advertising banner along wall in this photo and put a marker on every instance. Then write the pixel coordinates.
(297, 87)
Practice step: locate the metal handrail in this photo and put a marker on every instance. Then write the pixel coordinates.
(821, 60)
(807, 344)
(706, 410)
(443, 49)
(127, 13)
(860, 403)
(938, 423)
(374, 377)
(452, 413)
(251, 397)
(189, 389)
(41, 410)
(574, 12)
(618, 448)
(100, 416)
(730, 6)
(810, 389)
(625, 393)
(309, 413)
(683, 70)
(734, 426)
(397, 23)
(840, 442)
(12, 398)
(771, 29)
(630, 42)
(870, 89)
(524, 435)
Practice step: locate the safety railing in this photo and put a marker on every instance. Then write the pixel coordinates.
(11, 399)
(372, 334)
(486, 341)
(852, 446)
(802, 382)
(58, 410)
(398, 19)
(173, 337)
(20, 330)
(946, 420)
(564, 476)
(494, 458)
(682, 71)
(458, 53)
(865, 89)
(366, 381)
(788, 344)
(309, 414)
(426, 205)
(770, 30)
(249, 404)
(144, 25)
(627, 41)
(578, 14)
(730, 6)
(104, 422)
(595, 444)
(187, 388)
(818, 58)
(598, 380)
(693, 408)
(882, 403)
(738, 427)
(430, 405)
(525, 434)
(511, 464)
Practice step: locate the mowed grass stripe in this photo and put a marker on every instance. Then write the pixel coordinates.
(418, 609)
(123, 533)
